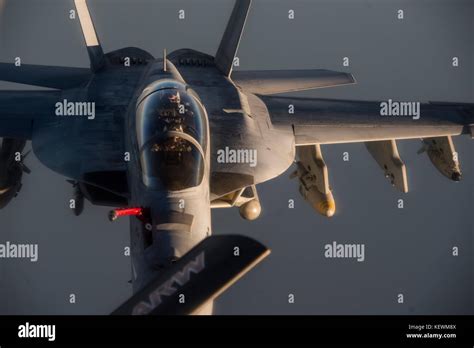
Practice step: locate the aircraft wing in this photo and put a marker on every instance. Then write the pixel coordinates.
(76, 147)
(331, 121)
(19, 110)
(80, 148)
(44, 76)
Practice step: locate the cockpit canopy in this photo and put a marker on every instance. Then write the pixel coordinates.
(171, 129)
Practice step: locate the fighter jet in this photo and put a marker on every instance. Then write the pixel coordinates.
(166, 140)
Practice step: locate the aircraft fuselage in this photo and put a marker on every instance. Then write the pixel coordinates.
(180, 219)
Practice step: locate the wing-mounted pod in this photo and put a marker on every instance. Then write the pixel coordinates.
(386, 155)
(443, 155)
(11, 169)
(313, 176)
(246, 199)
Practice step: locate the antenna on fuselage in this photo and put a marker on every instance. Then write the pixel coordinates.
(164, 59)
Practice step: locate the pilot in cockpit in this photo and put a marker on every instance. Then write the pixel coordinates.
(171, 138)
(172, 115)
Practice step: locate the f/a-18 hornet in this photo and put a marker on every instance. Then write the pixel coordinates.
(165, 140)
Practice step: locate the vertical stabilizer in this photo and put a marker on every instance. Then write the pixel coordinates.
(230, 41)
(94, 48)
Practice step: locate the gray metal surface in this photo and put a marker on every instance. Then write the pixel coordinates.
(268, 82)
(232, 35)
(44, 76)
(326, 121)
(236, 118)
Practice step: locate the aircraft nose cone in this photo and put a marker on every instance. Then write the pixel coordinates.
(456, 176)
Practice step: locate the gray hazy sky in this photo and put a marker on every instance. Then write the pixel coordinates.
(407, 251)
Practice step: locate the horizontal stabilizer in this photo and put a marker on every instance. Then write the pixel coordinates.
(230, 41)
(198, 277)
(44, 76)
(266, 82)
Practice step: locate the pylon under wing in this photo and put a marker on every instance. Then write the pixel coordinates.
(386, 155)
